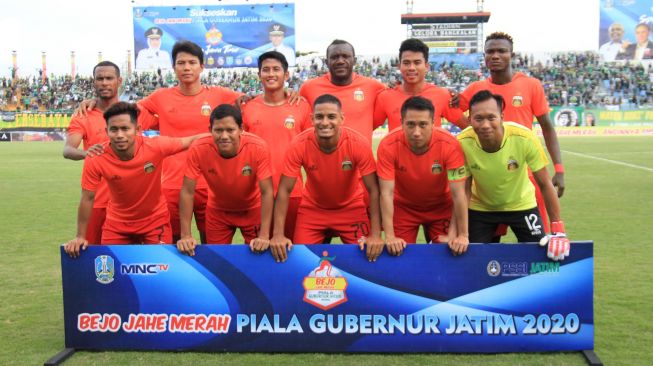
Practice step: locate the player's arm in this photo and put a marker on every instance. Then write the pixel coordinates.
(552, 145)
(459, 234)
(279, 241)
(394, 245)
(71, 148)
(558, 244)
(374, 242)
(73, 247)
(186, 244)
(262, 242)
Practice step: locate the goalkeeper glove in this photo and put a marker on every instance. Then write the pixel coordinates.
(558, 244)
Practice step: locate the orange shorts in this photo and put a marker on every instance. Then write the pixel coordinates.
(94, 226)
(199, 208)
(153, 230)
(406, 222)
(349, 223)
(221, 225)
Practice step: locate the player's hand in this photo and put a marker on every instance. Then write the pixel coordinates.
(374, 246)
(278, 245)
(187, 245)
(243, 99)
(558, 243)
(259, 245)
(73, 247)
(85, 106)
(559, 183)
(293, 96)
(95, 150)
(458, 244)
(454, 102)
(395, 245)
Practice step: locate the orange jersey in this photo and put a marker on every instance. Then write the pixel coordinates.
(134, 185)
(332, 180)
(389, 102)
(233, 182)
(524, 97)
(93, 129)
(357, 100)
(277, 125)
(421, 181)
(182, 115)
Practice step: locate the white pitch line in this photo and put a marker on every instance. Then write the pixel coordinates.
(609, 161)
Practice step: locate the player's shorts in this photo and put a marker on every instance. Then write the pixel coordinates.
(199, 208)
(94, 226)
(541, 205)
(221, 225)
(152, 230)
(291, 218)
(406, 222)
(526, 225)
(349, 223)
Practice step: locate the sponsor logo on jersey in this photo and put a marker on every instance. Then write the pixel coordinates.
(325, 285)
(104, 269)
(149, 167)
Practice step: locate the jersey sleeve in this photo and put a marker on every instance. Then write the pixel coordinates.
(77, 127)
(263, 170)
(380, 114)
(146, 119)
(292, 162)
(91, 174)
(228, 95)
(169, 145)
(306, 121)
(455, 162)
(193, 169)
(535, 156)
(464, 97)
(385, 167)
(539, 102)
(246, 123)
(453, 115)
(150, 103)
(365, 159)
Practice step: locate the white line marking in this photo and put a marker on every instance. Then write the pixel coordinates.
(609, 161)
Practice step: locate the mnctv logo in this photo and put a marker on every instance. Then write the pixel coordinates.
(143, 268)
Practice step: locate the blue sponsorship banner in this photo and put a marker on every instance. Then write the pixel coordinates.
(230, 35)
(617, 24)
(329, 298)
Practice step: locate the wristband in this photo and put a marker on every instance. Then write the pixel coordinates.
(558, 227)
(559, 168)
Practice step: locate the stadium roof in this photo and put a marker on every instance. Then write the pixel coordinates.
(475, 17)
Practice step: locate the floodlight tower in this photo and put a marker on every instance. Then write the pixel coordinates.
(409, 10)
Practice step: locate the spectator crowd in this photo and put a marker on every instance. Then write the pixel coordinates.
(569, 79)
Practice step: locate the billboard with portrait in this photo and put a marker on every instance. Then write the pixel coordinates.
(230, 35)
(625, 30)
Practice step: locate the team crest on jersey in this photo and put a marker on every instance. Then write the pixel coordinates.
(104, 269)
(206, 109)
(359, 96)
(346, 164)
(517, 101)
(325, 285)
(149, 167)
(289, 122)
(436, 168)
(512, 164)
(247, 170)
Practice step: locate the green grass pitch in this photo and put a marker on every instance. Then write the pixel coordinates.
(604, 201)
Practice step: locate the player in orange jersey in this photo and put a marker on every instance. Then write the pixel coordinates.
(334, 157)
(131, 166)
(356, 93)
(413, 65)
(421, 168)
(277, 121)
(236, 166)
(525, 100)
(92, 131)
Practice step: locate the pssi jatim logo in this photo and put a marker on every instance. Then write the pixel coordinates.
(325, 286)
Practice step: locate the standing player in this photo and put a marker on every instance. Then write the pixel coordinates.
(236, 166)
(131, 166)
(272, 117)
(413, 65)
(92, 130)
(417, 166)
(334, 157)
(356, 93)
(525, 99)
(498, 155)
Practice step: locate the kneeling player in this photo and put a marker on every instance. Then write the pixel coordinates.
(498, 155)
(131, 166)
(417, 165)
(334, 157)
(236, 166)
